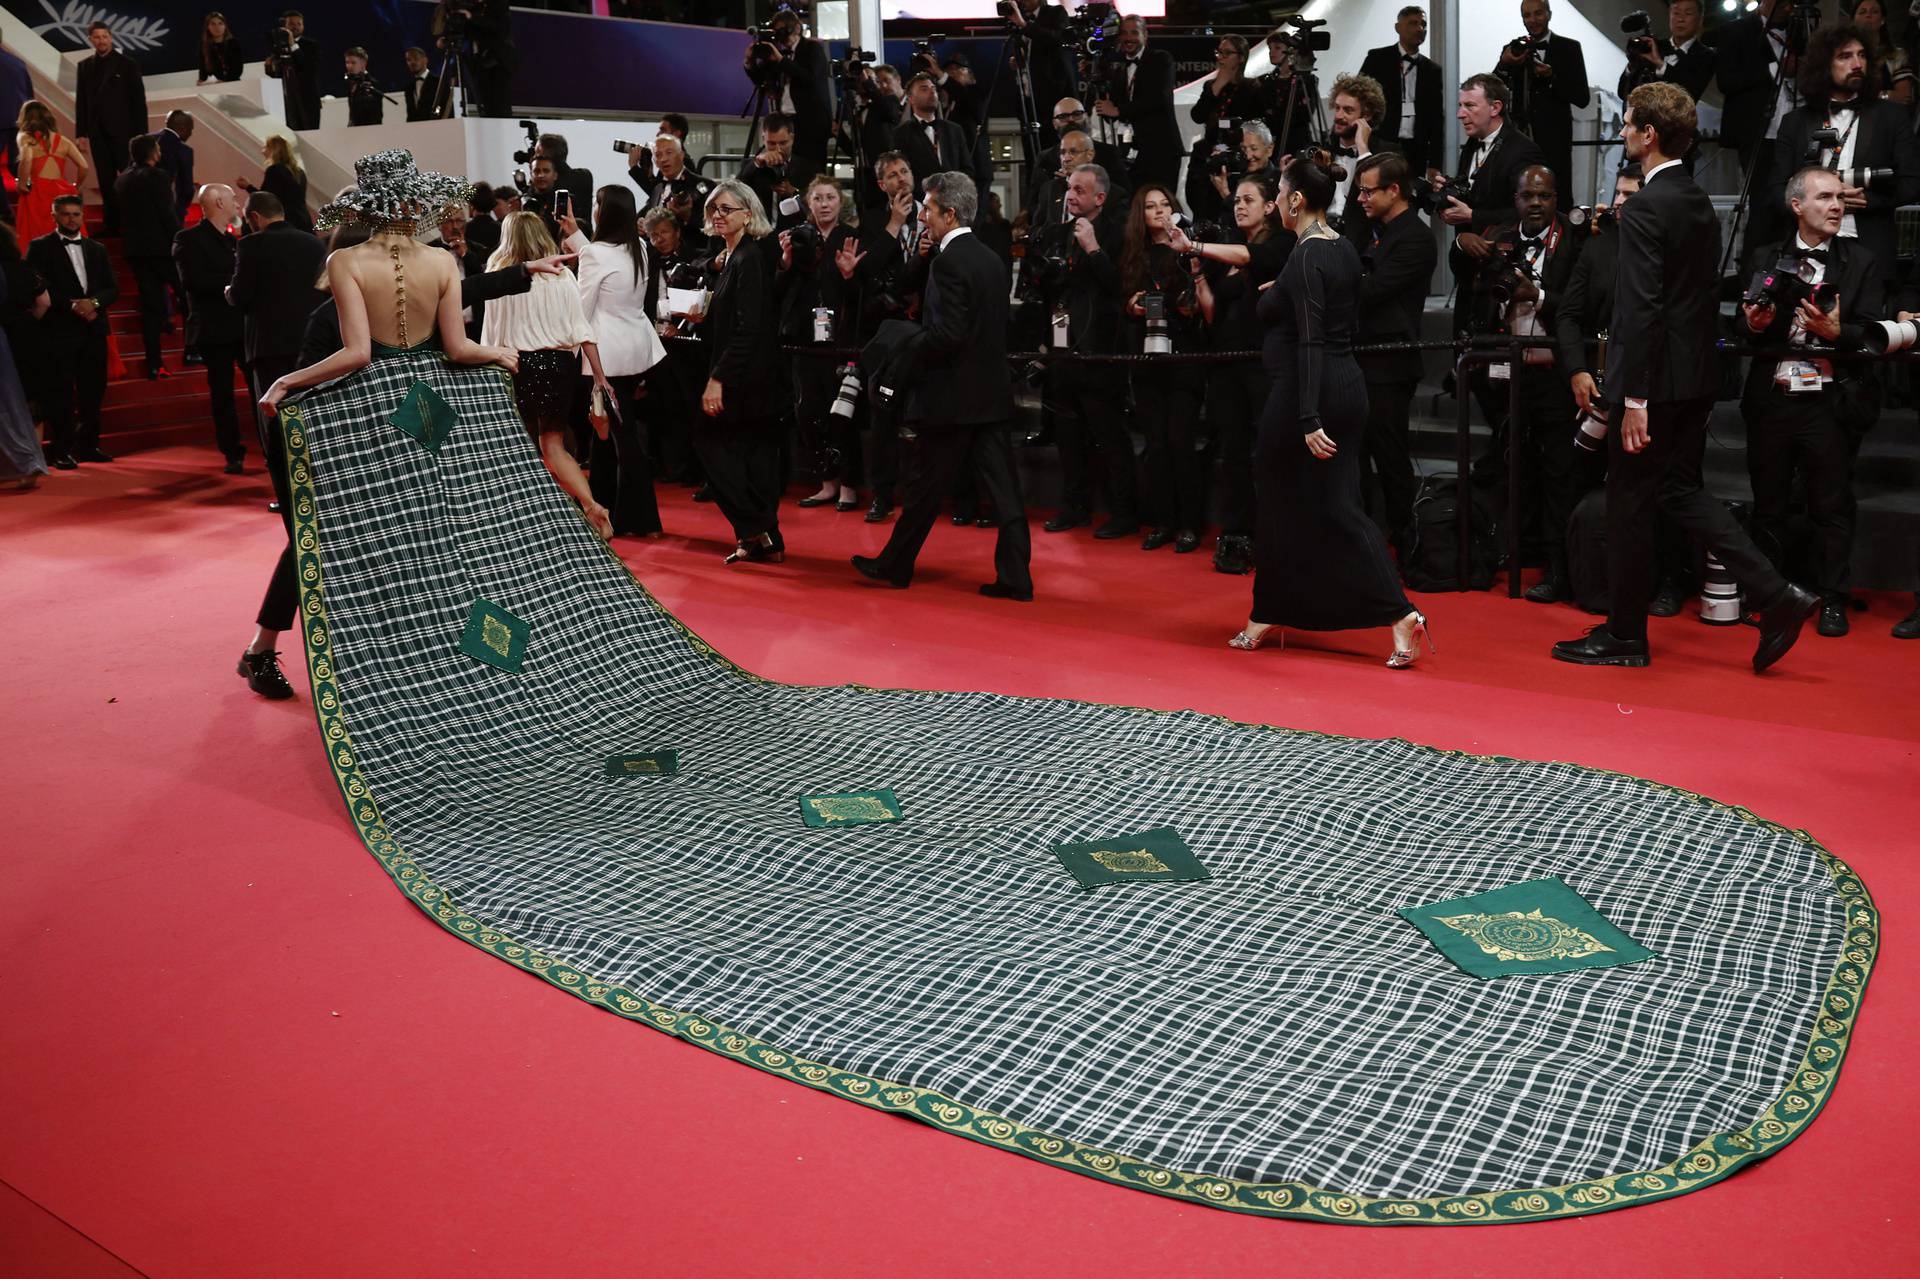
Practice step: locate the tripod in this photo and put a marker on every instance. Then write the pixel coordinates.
(1297, 91)
(1752, 162)
(456, 75)
(1020, 56)
(759, 103)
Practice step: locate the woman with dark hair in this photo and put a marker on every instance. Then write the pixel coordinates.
(820, 303)
(737, 443)
(1896, 74)
(1163, 317)
(23, 300)
(1236, 269)
(220, 57)
(1225, 96)
(51, 166)
(1321, 564)
(619, 293)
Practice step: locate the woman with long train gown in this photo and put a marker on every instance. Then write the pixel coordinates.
(1319, 562)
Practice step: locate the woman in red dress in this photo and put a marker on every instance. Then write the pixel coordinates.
(50, 166)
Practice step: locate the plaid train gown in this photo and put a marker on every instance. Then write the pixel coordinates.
(494, 688)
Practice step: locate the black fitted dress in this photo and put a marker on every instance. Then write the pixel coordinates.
(1319, 562)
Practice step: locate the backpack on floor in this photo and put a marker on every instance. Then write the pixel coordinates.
(1587, 553)
(1432, 560)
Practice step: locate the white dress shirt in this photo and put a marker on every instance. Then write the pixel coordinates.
(1409, 79)
(1785, 372)
(613, 298)
(1844, 120)
(76, 254)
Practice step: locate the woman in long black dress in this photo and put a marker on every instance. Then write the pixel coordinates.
(1320, 564)
(739, 444)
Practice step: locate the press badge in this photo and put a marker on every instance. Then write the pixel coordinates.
(1802, 377)
(1500, 372)
(1060, 340)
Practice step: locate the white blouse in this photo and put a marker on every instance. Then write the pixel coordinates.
(546, 317)
(614, 298)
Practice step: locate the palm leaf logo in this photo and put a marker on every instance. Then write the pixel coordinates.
(129, 32)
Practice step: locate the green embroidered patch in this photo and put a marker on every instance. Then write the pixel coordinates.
(646, 764)
(853, 808)
(1541, 926)
(425, 415)
(495, 636)
(1159, 855)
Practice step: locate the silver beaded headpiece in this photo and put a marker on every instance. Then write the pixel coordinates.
(388, 188)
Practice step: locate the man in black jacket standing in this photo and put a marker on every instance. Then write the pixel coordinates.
(1549, 78)
(1748, 54)
(960, 406)
(1399, 258)
(1663, 369)
(176, 157)
(931, 143)
(298, 70)
(80, 282)
(110, 110)
(806, 91)
(275, 273)
(203, 258)
(1139, 97)
(1809, 415)
(418, 92)
(1683, 58)
(145, 192)
(1490, 165)
(1414, 86)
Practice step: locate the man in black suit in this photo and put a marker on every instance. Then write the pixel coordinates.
(931, 143)
(770, 171)
(670, 174)
(176, 157)
(576, 182)
(80, 284)
(1356, 106)
(145, 193)
(1398, 262)
(1748, 56)
(419, 87)
(1683, 58)
(298, 71)
(1414, 124)
(1137, 102)
(275, 272)
(960, 404)
(1041, 44)
(1548, 74)
(110, 110)
(203, 258)
(1809, 415)
(1839, 80)
(806, 91)
(365, 103)
(1070, 119)
(1490, 165)
(1663, 370)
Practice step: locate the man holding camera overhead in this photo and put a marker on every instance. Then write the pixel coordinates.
(1809, 414)
(1844, 124)
(1549, 78)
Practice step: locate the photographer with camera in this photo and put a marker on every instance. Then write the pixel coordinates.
(1163, 318)
(1397, 257)
(931, 142)
(1683, 58)
(1227, 169)
(1548, 76)
(769, 172)
(1808, 415)
(1414, 86)
(797, 75)
(1518, 287)
(294, 60)
(1227, 99)
(670, 177)
(545, 196)
(963, 100)
(576, 182)
(1070, 117)
(365, 103)
(819, 297)
(1293, 92)
(1492, 159)
(481, 31)
(1136, 103)
(1750, 53)
(1040, 44)
(1357, 103)
(1844, 125)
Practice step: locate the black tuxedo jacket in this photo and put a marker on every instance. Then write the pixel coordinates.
(419, 97)
(1105, 154)
(1883, 138)
(176, 157)
(47, 256)
(1543, 106)
(1429, 111)
(1744, 66)
(1491, 195)
(959, 356)
(299, 77)
(743, 348)
(1148, 107)
(1093, 290)
(1692, 70)
(1855, 273)
(147, 214)
(274, 271)
(910, 139)
(111, 98)
(483, 232)
(1586, 307)
(1553, 272)
(1666, 306)
(1393, 290)
(656, 190)
(813, 104)
(203, 257)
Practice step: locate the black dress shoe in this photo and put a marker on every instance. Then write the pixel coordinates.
(233, 466)
(1066, 520)
(63, 462)
(1908, 627)
(1155, 539)
(704, 493)
(985, 521)
(869, 567)
(1185, 540)
(813, 500)
(879, 511)
(1833, 621)
(1668, 599)
(1780, 624)
(263, 676)
(1001, 591)
(91, 455)
(1117, 528)
(960, 519)
(1600, 647)
(1548, 590)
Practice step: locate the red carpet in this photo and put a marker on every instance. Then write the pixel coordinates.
(234, 1049)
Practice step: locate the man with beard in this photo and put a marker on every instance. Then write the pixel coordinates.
(1414, 88)
(1138, 104)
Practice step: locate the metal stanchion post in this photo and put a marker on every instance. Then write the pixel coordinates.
(1514, 454)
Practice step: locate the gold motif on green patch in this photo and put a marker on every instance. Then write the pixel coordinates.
(1154, 856)
(1541, 926)
(643, 764)
(1136, 862)
(855, 808)
(425, 415)
(495, 636)
(1525, 938)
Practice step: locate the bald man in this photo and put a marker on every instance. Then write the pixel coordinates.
(203, 255)
(1070, 116)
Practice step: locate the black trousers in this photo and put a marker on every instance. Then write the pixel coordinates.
(1665, 476)
(935, 457)
(152, 276)
(278, 606)
(829, 445)
(76, 383)
(219, 359)
(1166, 404)
(620, 467)
(109, 159)
(882, 456)
(1092, 432)
(743, 466)
(1552, 479)
(1387, 479)
(1800, 432)
(1236, 396)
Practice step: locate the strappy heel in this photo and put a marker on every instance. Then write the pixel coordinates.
(1246, 643)
(1401, 658)
(757, 550)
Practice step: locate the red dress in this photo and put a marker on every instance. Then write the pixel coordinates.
(48, 172)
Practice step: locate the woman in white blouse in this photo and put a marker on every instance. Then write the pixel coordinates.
(546, 325)
(619, 291)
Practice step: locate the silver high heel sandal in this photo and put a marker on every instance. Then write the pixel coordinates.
(1401, 658)
(1247, 643)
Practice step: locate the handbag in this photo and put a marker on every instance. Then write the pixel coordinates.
(599, 411)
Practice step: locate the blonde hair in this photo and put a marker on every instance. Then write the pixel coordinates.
(523, 237)
(280, 151)
(846, 217)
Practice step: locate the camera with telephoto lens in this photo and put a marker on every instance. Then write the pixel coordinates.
(766, 64)
(1158, 340)
(1883, 337)
(1859, 176)
(846, 401)
(1785, 283)
(923, 51)
(1044, 267)
(805, 239)
(1591, 437)
(1594, 217)
(533, 142)
(1638, 28)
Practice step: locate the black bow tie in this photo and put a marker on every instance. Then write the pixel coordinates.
(72, 239)
(1813, 255)
(1345, 151)
(1408, 59)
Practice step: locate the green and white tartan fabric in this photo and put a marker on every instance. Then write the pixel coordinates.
(1273, 1039)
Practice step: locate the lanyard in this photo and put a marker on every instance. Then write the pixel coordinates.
(1840, 143)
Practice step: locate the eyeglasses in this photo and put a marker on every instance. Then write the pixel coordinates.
(1365, 192)
(1070, 115)
(724, 211)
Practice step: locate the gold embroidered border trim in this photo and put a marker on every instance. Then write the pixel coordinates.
(1709, 1160)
